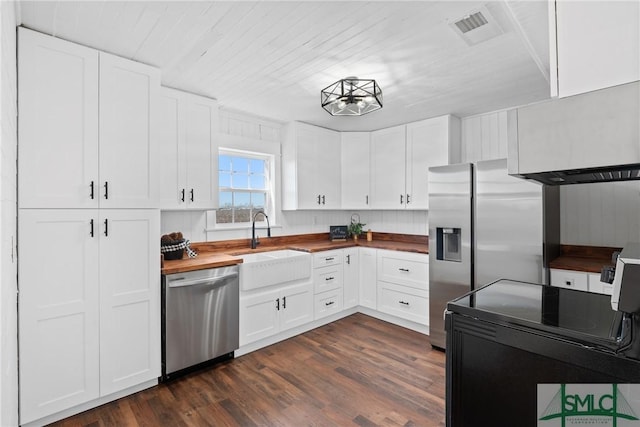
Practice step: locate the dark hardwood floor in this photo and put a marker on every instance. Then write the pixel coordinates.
(358, 371)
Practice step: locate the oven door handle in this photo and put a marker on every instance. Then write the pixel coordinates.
(178, 283)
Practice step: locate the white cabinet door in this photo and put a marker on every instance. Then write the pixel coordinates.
(58, 126)
(129, 298)
(355, 171)
(259, 316)
(58, 316)
(172, 148)
(368, 277)
(311, 168)
(351, 277)
(427, 145)
(296, 306)
(201, 153)
(188, 144)
(128, 149)
(403, 302)
(388, 168)
(598, 45)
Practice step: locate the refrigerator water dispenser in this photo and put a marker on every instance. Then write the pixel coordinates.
(449, 244)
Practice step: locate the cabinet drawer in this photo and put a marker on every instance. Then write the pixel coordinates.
(327, 278)
(328, 303)
(404, 268)
(322, 259)
(402, 301)
(595, 285)
(569, 279)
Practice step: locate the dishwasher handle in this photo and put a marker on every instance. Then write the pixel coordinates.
(181, 282)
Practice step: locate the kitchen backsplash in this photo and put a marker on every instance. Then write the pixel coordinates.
(193, 224)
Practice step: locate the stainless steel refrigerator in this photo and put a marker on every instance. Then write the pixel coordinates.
(485, 225)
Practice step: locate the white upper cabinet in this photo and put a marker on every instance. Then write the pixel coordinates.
(128, 153)
(311, 168)
(597, 45)
(401, 157)
(86, 127)
(355, 170)
(428, 143)
(188, 143)
(58, 126)
(388, 168)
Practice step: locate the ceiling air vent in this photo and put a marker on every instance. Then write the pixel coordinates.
(476, 27)
(471, 22)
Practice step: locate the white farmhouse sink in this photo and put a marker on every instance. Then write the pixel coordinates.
(263, 269)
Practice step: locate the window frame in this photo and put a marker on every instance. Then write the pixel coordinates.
(269, 204)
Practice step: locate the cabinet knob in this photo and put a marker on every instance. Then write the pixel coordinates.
(329, 303)
(91, 191)
(401, 199)
(403, 302)
(284, 302)
(406, 270)
(182, 196)
(106, 190)
(408, 199)
(192, 194)
(323, 199)
(106, 227)
(91, 228)
(278, 304)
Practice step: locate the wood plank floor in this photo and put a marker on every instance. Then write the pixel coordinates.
(358, 371)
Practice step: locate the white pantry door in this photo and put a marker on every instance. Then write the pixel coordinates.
(129, 298)
(58, 126)
(58, 299)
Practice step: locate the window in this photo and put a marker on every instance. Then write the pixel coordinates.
(244, 185)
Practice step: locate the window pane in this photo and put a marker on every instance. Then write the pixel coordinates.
(240, 181)
(242, 215)
(226, 199)
(242, 200)
(240, 164)
(224, 216)
(257, 182)
(257, 166)
(257, 200)
(224, 179)
(224, 163)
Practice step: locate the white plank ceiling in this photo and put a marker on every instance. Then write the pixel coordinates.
(272, 58)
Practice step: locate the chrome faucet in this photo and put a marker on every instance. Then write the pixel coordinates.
(254, 239)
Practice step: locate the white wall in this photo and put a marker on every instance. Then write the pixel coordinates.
(254, 131)
(8, 213)
(603, 214)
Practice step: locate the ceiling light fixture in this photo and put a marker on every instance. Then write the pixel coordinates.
(351, 96)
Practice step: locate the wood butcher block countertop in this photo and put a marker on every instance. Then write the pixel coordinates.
(589, 259)
(229, 252)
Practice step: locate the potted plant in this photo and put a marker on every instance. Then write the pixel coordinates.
(355, 228)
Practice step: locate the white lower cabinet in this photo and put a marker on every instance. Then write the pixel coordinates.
(404, 302)
(351, 277)
(595, 285)
(328, 282)
(569, 279)
(368, 278)
(89, 310)
(266, 313)
(403, 285)
(580, 280)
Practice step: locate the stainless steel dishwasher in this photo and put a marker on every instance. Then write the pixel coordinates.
(200, 313)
